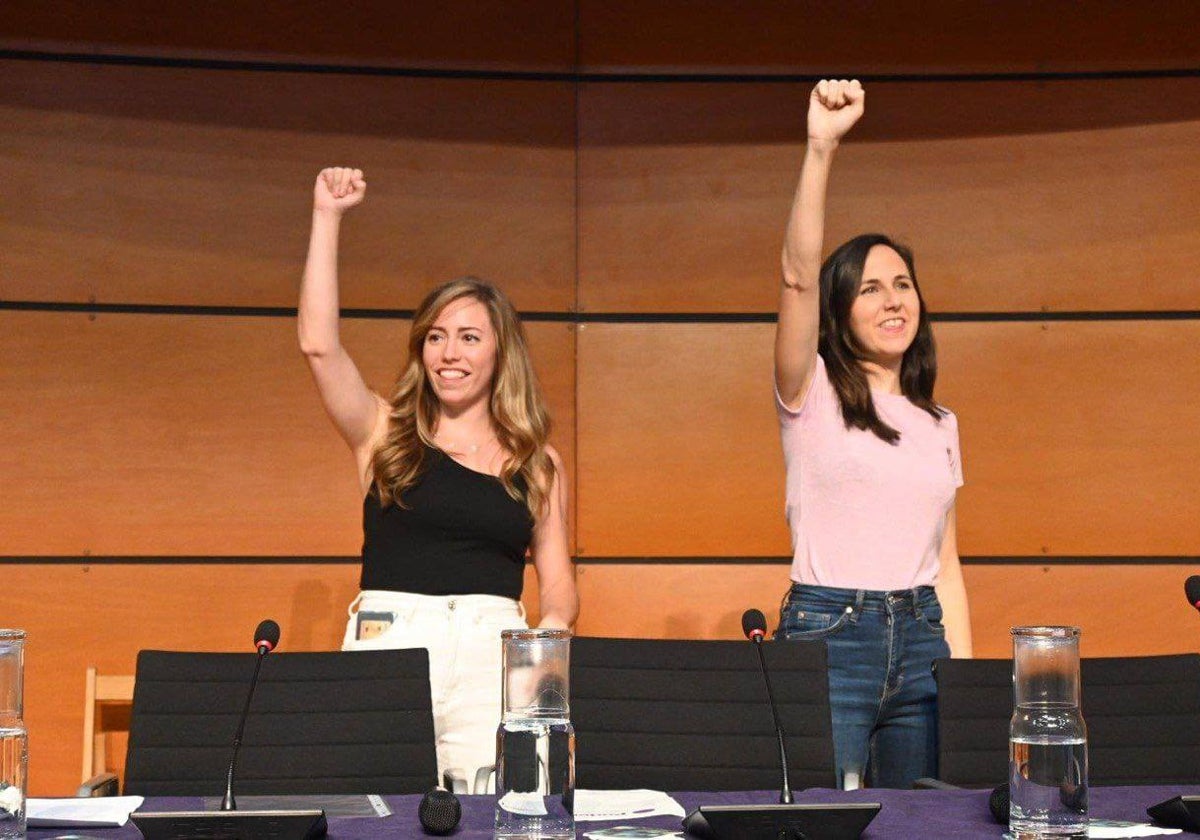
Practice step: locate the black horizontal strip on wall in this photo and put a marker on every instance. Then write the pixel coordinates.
(578, 76)
(573, 317)
(968, 560)
(781, 560)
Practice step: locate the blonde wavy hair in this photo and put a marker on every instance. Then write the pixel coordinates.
(518, 411)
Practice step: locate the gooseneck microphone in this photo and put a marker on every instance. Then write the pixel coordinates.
(754, 625)
(228, 821)
(1191, 588)
(266, 637)
(787, 820)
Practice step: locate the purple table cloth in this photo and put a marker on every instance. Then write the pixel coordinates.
(906, 814)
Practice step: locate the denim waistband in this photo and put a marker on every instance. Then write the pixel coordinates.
(863, 599)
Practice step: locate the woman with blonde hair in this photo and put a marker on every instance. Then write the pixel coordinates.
(458, 484)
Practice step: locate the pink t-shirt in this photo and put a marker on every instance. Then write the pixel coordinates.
(865, 514)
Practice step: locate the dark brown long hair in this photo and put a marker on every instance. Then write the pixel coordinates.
(518, 411)
(841, 279)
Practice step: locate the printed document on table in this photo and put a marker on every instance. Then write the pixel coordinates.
(624, 805)
(95, 812)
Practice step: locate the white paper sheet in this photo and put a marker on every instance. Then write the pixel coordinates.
(1113, 829)
(624, 805)
(94, 812)
(525, 804)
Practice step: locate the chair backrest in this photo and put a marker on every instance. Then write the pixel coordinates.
(105, 696)
(1142, 715)
(1143, 719)
(975, 704)
(354, 723)
(693, 715)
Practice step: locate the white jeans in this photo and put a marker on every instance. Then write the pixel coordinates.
(462, 635)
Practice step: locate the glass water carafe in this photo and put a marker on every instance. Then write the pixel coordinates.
(1047, 753)
(14, 742)
(535, 745)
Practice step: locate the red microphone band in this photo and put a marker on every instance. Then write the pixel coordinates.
(263, 643)
(757, 634)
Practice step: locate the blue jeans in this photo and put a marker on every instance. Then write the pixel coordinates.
(881, 650)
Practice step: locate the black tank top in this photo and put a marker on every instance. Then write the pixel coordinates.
(460, 534)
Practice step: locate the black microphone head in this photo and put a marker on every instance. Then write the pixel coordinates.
(998, 804)
(266, 635)
(754, 624)
(1192, 588)
(439, 811)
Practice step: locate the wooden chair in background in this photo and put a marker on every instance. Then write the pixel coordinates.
(108, 699)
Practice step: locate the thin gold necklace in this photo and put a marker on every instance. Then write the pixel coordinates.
(457, 446)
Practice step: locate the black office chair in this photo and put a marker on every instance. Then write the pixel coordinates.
(975, 704)
(693, 715)
(1142, 715)
(321, 723)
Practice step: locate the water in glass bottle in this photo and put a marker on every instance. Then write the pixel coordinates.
(14, 743)
(535, 744)
(1048, 766)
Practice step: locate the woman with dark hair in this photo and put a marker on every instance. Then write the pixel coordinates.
(872, 471)
(458, 484)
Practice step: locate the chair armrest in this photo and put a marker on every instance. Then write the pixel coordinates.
(926, 783)
(455, 781)
(481, 778)
(103, 784)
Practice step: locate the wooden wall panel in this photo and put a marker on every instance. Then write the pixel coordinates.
(170, 186)
(186, 435)
(678, 448)
(101, 615)
(170, 436)
(1124, 610)
(1015, 196)
(527, 35)
(707, 36)
(1075, 439)
(676, 601)
(912, 36)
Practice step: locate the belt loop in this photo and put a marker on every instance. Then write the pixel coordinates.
(860, 596)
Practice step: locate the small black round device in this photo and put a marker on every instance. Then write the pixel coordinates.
(439, 812)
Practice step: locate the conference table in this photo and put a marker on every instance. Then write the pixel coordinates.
(906, 814)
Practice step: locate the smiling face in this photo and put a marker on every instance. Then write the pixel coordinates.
(459, 354)
(886, 312)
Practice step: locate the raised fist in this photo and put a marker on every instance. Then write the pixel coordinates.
(339, 188)
(833, 108)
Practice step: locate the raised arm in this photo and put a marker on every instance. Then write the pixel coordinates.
(557, 596)
(352, 406)
(833, 107)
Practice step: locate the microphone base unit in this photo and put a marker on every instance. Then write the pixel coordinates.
(809, 821)
(1177, 812)
(303, 824)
